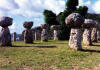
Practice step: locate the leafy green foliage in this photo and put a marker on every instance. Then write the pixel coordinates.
(71, 5)
(50, 17)
(64, 31)
(83, 10)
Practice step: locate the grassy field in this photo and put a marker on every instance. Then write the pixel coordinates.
(52, 55)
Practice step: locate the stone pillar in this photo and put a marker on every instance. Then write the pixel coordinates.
(28, 36)
(56, 35)
(14, 36)
(75, 38)
(98, 35)
(87, 37)
(44, 34)
(5, 36)
(75, 21)
(55, 28)
(94, 35)
(88, 25)
(38, 33)
(35, 35)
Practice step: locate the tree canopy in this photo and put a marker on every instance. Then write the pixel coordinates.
(50, 17)
(70, 7)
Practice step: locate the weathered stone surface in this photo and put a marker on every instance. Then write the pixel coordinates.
(88, 25)
(28, 25)
(98, 26)
(5, 21)
(98, 31)
(98, 35)
(75, 39)
(87, 37)
(33, 33)
(38, 33)
(74, 20)
(5, 37)
(44, 26)
(44, 35)
(14, 36)
(28, 37)
(55, 28)
(56, 37)
(94, 35)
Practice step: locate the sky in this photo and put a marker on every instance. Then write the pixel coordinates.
(32, 10)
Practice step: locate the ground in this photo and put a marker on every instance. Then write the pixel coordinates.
(52, 55)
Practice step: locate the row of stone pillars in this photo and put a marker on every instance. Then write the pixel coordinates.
(5, 36)
(44, 34)
(78, 24)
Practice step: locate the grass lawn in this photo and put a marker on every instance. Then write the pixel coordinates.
(52, 55)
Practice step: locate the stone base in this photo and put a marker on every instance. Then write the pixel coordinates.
(28, 37)
(14, 37)
(94, 35)
(87, 37)
(56, 35)
(5, 37)
(56, 38)
(98, 35)
(75, 39)
(44, 35)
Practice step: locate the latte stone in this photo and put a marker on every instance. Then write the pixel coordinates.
(28, 36)
(75, 21)
(88, 25)
(5, 36)
(44, 33)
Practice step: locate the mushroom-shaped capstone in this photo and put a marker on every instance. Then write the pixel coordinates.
(28, 25)
(44, 33)
(5, 21)
(94, 33)
(55, 28)
(28, 36)
(75, 21)
(88, 25)
(5, 36)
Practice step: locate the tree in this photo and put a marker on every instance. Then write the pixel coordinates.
(83, 10)
(50, 17)
(71, 5)
(64, 31)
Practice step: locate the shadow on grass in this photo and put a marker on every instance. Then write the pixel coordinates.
(87, 50)
(57, 43)
(36, 46)
(96, 45)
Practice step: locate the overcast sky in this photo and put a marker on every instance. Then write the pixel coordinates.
(32, 10)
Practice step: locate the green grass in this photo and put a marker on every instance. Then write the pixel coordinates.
(52, 55)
